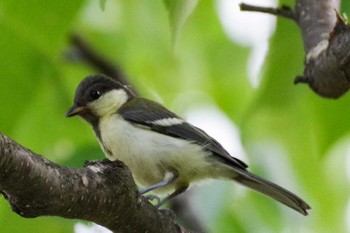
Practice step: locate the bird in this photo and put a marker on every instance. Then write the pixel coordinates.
(165, 153)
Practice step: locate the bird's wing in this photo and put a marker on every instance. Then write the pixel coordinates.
(163, 121)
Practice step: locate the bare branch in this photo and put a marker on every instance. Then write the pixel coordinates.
(103, 192)
(326, 41)
(316, 20)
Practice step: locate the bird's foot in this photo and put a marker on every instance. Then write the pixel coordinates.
(152, 198)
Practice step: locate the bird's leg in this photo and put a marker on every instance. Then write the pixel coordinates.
(174, 194)
(168, 179)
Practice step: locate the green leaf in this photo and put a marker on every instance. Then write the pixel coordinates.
(44, 24)
(103, 4)
(21, 70)
(179, 11)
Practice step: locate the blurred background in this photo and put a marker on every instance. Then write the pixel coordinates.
(227, 72)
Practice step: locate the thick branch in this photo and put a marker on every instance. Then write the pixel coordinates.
(316, 20)
(326, 40)
(102, 192)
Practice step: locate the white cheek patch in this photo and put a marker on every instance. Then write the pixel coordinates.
(168, 121)
(109, 103)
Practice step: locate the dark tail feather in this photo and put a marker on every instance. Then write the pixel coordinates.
(272, 190)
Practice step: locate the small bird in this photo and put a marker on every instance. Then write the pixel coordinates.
(163, 151)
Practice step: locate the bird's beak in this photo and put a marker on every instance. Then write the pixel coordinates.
(73, 111)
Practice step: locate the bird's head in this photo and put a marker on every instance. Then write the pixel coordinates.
(98, 96)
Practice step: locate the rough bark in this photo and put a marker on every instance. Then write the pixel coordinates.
(326, 40)
(102, 192)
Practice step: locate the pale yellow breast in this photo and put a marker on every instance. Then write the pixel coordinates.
(149, 155)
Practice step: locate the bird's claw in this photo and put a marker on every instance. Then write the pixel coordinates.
(153, 197)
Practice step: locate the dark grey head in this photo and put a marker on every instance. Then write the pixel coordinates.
(96, 96)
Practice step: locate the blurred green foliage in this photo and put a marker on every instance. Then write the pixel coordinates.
(164, 56)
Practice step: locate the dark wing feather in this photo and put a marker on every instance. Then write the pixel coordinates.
(138, 111)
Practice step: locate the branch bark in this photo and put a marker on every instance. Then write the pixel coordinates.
(102, 192)
(326, 40)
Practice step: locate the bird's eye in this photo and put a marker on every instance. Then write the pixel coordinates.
(94, 94)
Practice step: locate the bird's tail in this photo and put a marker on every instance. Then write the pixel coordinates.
(272, 190)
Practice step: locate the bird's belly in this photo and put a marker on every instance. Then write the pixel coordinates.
(150, 155)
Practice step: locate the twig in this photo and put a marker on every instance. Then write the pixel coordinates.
(284, 11)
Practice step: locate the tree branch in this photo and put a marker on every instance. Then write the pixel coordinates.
(326, 40)
(102, 192)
